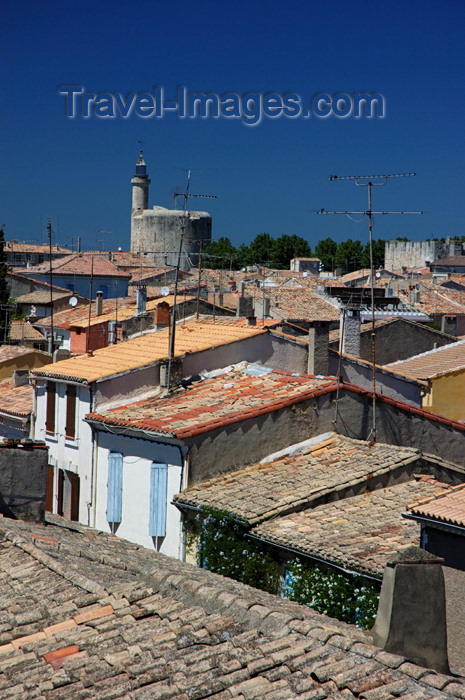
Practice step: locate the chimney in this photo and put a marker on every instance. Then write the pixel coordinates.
(20, 377)
(411, 618)
(251, 320)
(350, 331)
(162, 314)
(318, 348)
(141, 300)
(99, 304)
(244, 306)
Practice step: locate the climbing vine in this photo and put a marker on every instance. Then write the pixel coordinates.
(351, 599)
(224, 547)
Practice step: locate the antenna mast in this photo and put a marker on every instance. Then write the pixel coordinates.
(370, 181)
(50, 341)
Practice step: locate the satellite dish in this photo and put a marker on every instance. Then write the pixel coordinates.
(164, 291)
(72, 301)
(378, 275)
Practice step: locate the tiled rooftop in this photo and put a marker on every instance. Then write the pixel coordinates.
(432, 363)
(12, 246)
(17, 401)
(293, 482)
(435, 299)
(359, 533)
(147, 350)
(87, 615)
(80, 264)
(10, 352)
(447, 508)
(42, 296)
(212, 403)
(22, 330)
(296, 303)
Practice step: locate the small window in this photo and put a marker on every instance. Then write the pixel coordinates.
(50, 410)
(70, 427)
(158, 493)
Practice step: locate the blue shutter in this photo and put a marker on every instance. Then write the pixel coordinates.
(115, 487)
(158, 493)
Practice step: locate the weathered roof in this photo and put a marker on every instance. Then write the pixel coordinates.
(16, 401)
(439, 301)
(358, 533)
(17, 247)
(296, 481)
(232, 397)
(79, 264)
(42, 296)
(447, 508)
(10, 352)
(22, 330)
(89, 615)
(433, 363)
(296, 303)
(146, 350)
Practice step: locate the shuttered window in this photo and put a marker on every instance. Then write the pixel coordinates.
(70, 428)
(50, 414)
(158, 493)
(115, 487)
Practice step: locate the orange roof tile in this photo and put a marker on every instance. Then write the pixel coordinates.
(433, 363)
(17, 401)
(448, 508)
(222, 400)
(22, 330)
(146, 350)
(80, 264)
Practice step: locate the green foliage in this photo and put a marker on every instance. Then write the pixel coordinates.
(378, 254)
(349, 255)
(326, 251)
(220, 254)
(350, 599)
(224, 549)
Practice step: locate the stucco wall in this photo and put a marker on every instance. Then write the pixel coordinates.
(447, 395)
(138, 456)
(397, 341)
(387, 384)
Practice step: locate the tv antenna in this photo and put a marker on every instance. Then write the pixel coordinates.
(186, 196)
(370, 181)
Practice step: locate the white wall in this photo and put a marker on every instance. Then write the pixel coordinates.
(72, 455)
(138, 456)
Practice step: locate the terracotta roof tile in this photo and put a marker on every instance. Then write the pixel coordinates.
(447, 508)
(222, 400)
(17, 401)
(290, 483)
(79, 264)
(23, 330)
(176, 631)
(9, 352)
(147, 350)
(433, 363)
(296, 303)
(358, 533)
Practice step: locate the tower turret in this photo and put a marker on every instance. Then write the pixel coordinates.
(140, 186)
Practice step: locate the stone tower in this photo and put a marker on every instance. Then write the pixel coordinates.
(140, 186)
(156, 233)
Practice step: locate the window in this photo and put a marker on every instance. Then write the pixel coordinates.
(158, 493)
(50, 411)
(115, 487)
(70, 427)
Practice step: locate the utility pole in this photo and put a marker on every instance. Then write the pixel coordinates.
(370, 181)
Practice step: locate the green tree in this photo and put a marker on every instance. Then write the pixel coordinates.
(261, 250)
(349, 255)
(326, 251)
(287, 247)
(4, 296)
(220, 254)
(378, 254)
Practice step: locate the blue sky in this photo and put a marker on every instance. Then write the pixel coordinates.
(269, 177)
